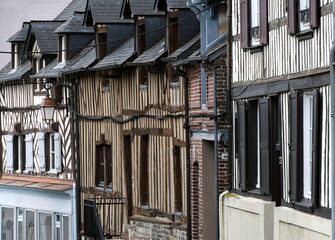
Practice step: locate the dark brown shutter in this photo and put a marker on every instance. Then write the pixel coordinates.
(244, 8)
(264, 150)
(264, 32)
(242, 143)
(293, 131)
(315, 149)
(252, 144)
(314, 12)
(292, 16)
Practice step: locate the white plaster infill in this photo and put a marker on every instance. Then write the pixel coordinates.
(296, 225)
(248, 218)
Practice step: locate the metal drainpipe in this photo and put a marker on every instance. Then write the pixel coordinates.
(184, 75)
(216, 171)
(332, 127)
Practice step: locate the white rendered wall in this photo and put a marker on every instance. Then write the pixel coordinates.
(14, 12)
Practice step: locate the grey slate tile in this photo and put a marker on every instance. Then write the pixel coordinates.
(118, 57)
(74, 25)
(74, 6)
(21, 35)
(21, 72)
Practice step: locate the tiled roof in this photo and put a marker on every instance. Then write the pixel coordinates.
(105, 11)
(78, 63)
(118, 57)
(186, 50)
(141, 7)
(74, 25)
(150, 55)
(21, 72)
(43, 31)
(173, 4)
(74, 6)
(21, 35)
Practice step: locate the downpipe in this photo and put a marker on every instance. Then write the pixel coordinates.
(216, 170)
(221, 211)
(332, 128)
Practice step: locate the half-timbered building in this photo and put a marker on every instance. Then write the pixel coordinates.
(280, 91)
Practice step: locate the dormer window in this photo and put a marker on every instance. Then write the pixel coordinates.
(142, 74)
(102, 41)
(255, 23)
(173, 41)
(37, 65)
(62, 49)
(15, 56)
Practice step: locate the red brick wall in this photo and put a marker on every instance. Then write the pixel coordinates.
(194, 74)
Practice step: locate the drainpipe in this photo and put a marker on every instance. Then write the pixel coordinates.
(332, 127)
(216, 172)
(74, 212)
(221, 210)
(184, 75)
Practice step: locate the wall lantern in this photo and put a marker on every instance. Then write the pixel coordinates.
(48, 107)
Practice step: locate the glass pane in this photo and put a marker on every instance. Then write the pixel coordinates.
(30, 225)
(19, 230)
(45, 226)
(7, 226)
(66, 228)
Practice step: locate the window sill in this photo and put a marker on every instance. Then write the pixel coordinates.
(304, 205)
(175, 84)
(254, 49)
(305, 35)
(102, 189)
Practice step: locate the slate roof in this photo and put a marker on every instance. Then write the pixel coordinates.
(105, 11)
(186, 50)
(74, 25)
(21, 35)
(74, 6)
(173, 4)
(150, 55)
(118, 57)
(43, 31)
(22, 71)
(78, 63)
(141, 7)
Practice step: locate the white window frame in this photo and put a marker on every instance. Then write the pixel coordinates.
(25, 222)
(255, 19)
(52, 224)
(63, 48)
(55, 153)
(19, 218)
(303, 6)
(16, 56)
(307, 144)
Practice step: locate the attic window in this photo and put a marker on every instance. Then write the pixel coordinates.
(62, 49)
(15, 56)
(102, 41)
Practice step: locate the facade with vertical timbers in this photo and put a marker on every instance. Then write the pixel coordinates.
(280, 91)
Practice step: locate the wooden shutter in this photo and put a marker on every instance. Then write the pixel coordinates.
(264, 31)
(58, 152)
(108, 159)
(29, 152)
(314, 13)
(293, 128)
(252, 156)
(245, 22)
(292, 15)
(315, 149)
(242, 143)
(264, 145)
(41, 151)
(9, 152)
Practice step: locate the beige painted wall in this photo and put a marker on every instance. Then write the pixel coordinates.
(15, 12)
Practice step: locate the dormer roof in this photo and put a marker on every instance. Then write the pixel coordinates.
(74, 6)
(170, 4)
(74, 25)
(138, 8)
(21, 35)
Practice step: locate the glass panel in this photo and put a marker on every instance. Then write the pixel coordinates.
(255, 13)
(30, 225)
(66, 228)
(19, 224)
(7, 226)
(45, 226)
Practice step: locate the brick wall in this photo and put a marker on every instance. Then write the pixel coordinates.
(206, 124)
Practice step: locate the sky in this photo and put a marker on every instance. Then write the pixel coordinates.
(14, 12)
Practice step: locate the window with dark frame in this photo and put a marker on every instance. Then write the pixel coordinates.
(103, 173)
(304, 150)
(303, 15)
(254, 23)
(173, 42)
(19, 154)
(102, 41)
(144, 171)
(142, 74)
(177, 179)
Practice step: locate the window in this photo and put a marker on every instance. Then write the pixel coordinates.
(103, 165)
(7, 223)
(304, 150)
(15, 56)
(102, 41)
(253, 144)
(50, 152)
(254, 23)
(177, 179)
(62, 49)
(16, 153)
(144, 174)
(44, 226)
(142, 74)
(303, 15)
(173, 42)
(19, 228)
(30, 225)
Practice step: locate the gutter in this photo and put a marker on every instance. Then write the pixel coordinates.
(216, 170)
(184, 75)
